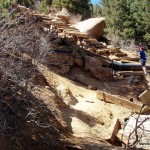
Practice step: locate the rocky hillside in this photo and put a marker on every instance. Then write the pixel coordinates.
(48, 86)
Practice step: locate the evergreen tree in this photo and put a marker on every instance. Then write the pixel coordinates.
(57, 4)
(75, 6)
(96, 10)
(5, 3)
(49, 2)
(140, 13)
(128, 19)
(115, 13)
(26, 3)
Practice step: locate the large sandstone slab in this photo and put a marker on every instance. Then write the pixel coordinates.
(92, 26)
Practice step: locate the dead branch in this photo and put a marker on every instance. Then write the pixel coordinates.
(137, 126)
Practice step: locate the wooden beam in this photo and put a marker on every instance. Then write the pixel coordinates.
(120, 101)
(53, 22)
(77, 34)
(145, 97)
(130, 73)
(130, 58)
(101, 51)
(120, 54)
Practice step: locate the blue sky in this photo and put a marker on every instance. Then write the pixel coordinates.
(95, 1)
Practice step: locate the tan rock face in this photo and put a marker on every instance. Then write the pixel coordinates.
(102, 73)
(91, 62)
(95, 67)
(93, 26)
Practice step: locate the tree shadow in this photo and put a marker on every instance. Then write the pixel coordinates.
(26, 122)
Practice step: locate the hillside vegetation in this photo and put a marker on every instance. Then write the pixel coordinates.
(126, 20)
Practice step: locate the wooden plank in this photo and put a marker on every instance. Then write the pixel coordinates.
(71, 29)
(130, 58)
(114, 140)
(101, 51)
(77, 34)
(145, 97)
(53, 22)
(117, 127)
(120, 54)
(118, 101)
(45, 18)
(100, 46)
(130, 73)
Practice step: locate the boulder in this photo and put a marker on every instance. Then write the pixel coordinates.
(92, 26)
(92, 62)
(102, 73)
(64, 15)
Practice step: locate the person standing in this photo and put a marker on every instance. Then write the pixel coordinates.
(143, 58)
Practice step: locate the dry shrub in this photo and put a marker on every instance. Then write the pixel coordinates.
(75, 19)
(114, 40)
(128, 45)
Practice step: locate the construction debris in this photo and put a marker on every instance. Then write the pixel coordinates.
(120, 101)
(145, 97)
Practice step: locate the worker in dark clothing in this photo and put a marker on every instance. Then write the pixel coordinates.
(143, 58)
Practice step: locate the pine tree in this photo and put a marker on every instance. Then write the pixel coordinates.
(57, 4)
(26, 3)
(96, 10)
(115, 13)
(75, 6)
(141, 12)
(128, 19)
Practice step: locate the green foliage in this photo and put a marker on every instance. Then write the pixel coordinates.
(129, 19)
(49, 2)
(26, 3)
(57, 4)
(43, 6)
(5, 4)
(141, 13)
(97, 10)
(75, 6)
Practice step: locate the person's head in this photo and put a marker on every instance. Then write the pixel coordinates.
(142, 47)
